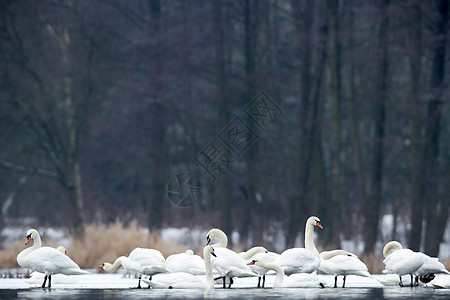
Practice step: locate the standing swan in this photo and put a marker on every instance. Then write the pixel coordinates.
(259, 253)
(293, 281)
(141, 261)
(340, 262)
(182, 280)
(228, 263)
(302, 260)
(46, 260)
(401, 261)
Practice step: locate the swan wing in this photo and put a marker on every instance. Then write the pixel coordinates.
(298, 260)
(183, 262)
(229, 263)
(345, 264)
(404, 261)
(431, 265)
(48, 260)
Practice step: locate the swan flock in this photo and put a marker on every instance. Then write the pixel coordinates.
(293, 268)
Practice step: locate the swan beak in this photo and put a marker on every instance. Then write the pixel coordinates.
(319, 225)
(28, 239)
(251, 263)
(100, 266)
(213, 254)
(208, 240)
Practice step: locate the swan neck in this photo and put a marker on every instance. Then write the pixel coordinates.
(37, 243)
(279, 277)
(333, 253)
(223, 239)
(393, 245)
(309, 239)
(115, 266)
(252, 251)
(208, 268)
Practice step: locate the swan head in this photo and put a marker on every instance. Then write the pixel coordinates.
(208, 250)
(31, 235)
(215, 233)
(189, 252)
(105, 266)
(254, 262)
(62, 249)
(391, 246)
(314, 221)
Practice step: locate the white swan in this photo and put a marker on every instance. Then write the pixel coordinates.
(142, 261)
(401, 261)
(181, 280)
(302, 260)
(293, 281)
(186, 262)
(227, 263)
(259, 253)
(37, 277)
(46, 260)
(341, 262)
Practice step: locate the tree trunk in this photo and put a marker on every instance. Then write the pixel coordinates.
(372, 212)
(433, 129)
(298, 208)
(336, 95)
(417, 163)
(354, 119)
(223, 192)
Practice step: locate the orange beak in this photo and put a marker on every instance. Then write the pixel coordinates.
(100, 266)
(319, 225)
(28, 240)
(251, 263)
(208, 240)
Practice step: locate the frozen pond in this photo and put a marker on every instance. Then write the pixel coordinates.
(116, 286)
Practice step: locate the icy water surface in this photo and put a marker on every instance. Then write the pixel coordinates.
(240, 293)
(116, 286)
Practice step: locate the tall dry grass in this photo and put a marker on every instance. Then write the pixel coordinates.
(99, 243)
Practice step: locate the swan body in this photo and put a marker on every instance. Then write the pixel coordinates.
(46, 260)
(401, 261)
(302, 260)
(182, 280)
(37, 277)
(186, 262)
(142, 261)
(341, 262)
(301, 280)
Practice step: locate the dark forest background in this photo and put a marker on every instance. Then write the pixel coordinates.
(102, 102)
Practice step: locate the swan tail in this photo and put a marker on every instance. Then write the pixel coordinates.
(77, 272)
